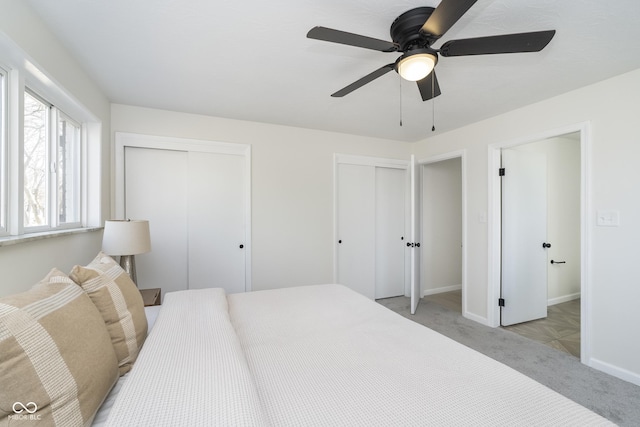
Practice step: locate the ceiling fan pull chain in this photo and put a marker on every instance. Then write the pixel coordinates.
(433, 102)
(400, 80)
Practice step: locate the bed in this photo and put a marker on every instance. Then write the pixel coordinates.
(317, 356)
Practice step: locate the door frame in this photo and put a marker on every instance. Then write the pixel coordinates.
(126, 139)
(462, 155)
(495, 221)
(376, 162)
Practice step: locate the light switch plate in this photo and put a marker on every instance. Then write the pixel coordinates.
(608, 218)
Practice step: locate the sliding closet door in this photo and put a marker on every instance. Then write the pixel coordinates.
(156, 190)
(356, 225)
(216, 221)
(371, 222)
(196, 196)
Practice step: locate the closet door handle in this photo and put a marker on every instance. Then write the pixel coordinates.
(546, 245)
(241, 246)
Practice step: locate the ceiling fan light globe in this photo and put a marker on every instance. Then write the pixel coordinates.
(416, 67)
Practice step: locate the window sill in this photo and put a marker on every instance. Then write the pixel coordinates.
(14, 240)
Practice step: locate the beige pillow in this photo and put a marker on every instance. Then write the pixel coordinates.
(57, 363)
(120, 303)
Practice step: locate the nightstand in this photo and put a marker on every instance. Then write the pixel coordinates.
(151, 296)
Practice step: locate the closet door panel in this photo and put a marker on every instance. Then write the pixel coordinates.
(389, 232)
(156, 190)
(216, 218)
(356, 225)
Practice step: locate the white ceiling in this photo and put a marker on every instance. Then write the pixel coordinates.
(251, 60)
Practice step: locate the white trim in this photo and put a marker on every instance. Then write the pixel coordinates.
(440, 290)
(370, 161)
(494, 221)
(335, 218)
(124, 139)
(247, 219)
(610, 369)
(31, 237)
(15, 124)
(476, 318)
(462, 155)
(562, 299)
(4, 150)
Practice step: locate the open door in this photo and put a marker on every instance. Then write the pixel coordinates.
(415, 236)
(524, 234)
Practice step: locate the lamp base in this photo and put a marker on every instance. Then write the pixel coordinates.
(128, 264)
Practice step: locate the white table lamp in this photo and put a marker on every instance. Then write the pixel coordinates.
(126, 238)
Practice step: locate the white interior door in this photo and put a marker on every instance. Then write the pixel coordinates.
(389, 231)
(356, 224)
(415, 233)
(524, 231)
(156, 190)
(216, 221)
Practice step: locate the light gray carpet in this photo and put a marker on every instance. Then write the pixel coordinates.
(614, 399)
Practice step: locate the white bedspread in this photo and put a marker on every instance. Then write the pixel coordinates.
(320, 356)
(191, 370)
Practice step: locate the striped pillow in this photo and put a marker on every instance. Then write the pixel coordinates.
(57, 363)
(120, 303)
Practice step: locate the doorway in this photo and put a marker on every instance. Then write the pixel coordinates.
(442, 224)
(561, 250)
(541, 241)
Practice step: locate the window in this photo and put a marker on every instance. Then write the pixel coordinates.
(36, 126)
(51, 167)
(68, 169)
(50, 154)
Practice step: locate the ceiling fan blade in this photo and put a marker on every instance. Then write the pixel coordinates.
(428, 88)
(350, 39)
(363, 81)
(446, 14)
(508, 43)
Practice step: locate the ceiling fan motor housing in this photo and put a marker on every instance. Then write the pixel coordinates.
(405, 29)
(415, 31)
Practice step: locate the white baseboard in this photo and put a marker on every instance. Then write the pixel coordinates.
(615, 371)
(434, 291)
(564, 298)
(482, 320)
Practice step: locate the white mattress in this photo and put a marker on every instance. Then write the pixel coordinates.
(320, 355)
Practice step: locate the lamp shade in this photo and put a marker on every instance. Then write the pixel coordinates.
(126, 237)
(414, 67)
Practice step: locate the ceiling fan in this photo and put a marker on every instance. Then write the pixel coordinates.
(415, 31)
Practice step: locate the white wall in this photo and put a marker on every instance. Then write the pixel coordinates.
(611, 109)
(441, 226)
(292, 186)
(24, 264)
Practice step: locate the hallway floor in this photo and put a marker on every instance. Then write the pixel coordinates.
(560, 329)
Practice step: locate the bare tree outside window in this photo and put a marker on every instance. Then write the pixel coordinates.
(68, 171)
(36, 126)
